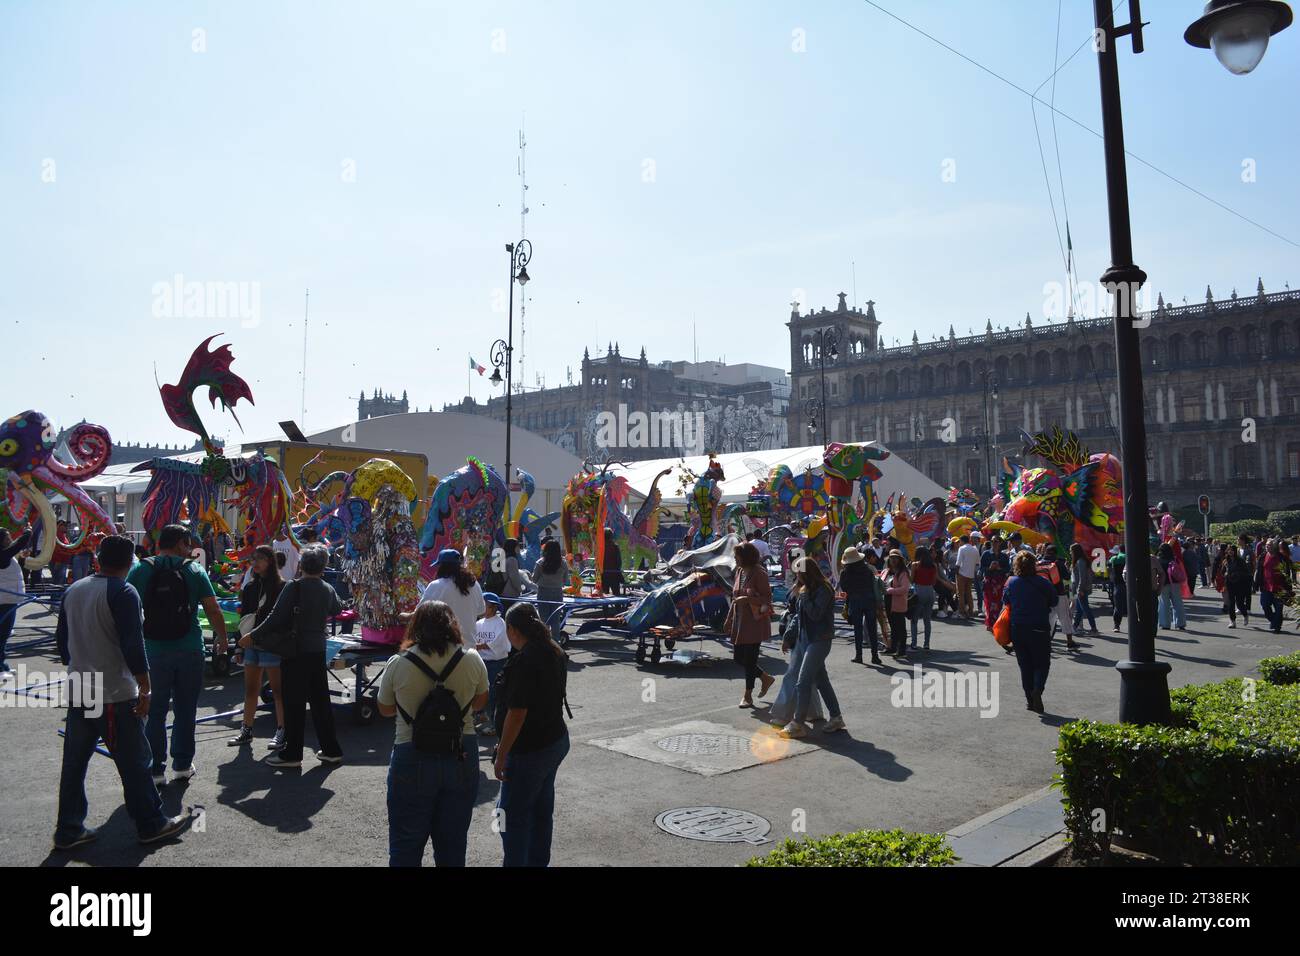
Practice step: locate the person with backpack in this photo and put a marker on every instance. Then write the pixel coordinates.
(172, 588)
(1032, 600)
(1171, 610)
(433, 688)
(295, 632)
(534, 739)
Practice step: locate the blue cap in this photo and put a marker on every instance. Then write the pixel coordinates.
(449, 556)
(491, 598)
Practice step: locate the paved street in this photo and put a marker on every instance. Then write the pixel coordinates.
(917, 768)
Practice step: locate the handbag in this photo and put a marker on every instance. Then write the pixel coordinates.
(1002, 627)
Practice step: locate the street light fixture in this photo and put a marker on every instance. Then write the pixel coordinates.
(1238, 30)
(827, 341)
(503, 350)
(1234, 29)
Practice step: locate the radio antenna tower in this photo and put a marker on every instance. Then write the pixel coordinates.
(523, 234)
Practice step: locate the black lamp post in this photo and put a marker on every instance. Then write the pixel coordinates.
(1238, 31)
(827, 341)
(990, 394)
(503, 350)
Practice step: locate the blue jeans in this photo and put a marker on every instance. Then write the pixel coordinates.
(431, 797)
(177, 679)
(924, 610)
(1034, 655)
(1080, 610)
(1171, 605)
(493, 669)
(123, 735)
(527, 804)
(863, 614)
(812, 675)
(1272, 608)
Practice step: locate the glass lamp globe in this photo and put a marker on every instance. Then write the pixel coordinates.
(1240, 40)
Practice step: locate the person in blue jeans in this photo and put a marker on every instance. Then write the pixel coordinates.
(858, 582)
(534, 739)
(1031, 599)
(176, 659)
(431, 794)
(99, 640)
(815, 600)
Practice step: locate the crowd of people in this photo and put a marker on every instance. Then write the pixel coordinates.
(463, 671)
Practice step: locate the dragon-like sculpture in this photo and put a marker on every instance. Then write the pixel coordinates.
(594, 501)
(465, 513)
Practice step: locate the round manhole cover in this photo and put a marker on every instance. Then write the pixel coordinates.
(705, 745)
(714, 824)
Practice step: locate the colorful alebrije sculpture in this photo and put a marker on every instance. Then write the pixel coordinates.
(593, 501)
(1078, 497)
(524, 524)
(844, 467)
(30, 473)
(464, 513)
(704, 506)
(197, 489)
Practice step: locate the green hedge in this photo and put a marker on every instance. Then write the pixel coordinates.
(1286, 522)
(863, 848)
(1281, 670)
(1221, 785)
(1231, 530)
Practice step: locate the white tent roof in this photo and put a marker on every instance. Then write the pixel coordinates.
(118, 478)
(744, 469)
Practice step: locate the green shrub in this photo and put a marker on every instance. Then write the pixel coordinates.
(1231, 530)
(1286, 522)
(1281, 670)
(862, 848)
(1220, 785)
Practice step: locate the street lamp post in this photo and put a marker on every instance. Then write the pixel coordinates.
(503, 350)
(990, 392)
(827, 341)
(1238, 31)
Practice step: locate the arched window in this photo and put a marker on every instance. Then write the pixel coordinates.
(1252, 342)
(1002, 368)
(1061, 364)
(891, 382)
(1083, 365)
(873, 385)
(1227, 344)
(963, 375)
(905, 381)
(1042, 367)
(944, 379)
(1174, 351)
(927, 379)
(1018, 367)
(1200, 347)
(1154, 353)
(1277, 338)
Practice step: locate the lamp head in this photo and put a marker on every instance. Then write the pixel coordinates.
(1238, 30)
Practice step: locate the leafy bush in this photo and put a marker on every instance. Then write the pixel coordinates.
(1281, 670)
(1221, 785)
(1286, 522)
(1231, 530)
(862, 848)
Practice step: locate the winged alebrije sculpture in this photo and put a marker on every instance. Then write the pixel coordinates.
(465, 513)
(210, 368)
(594, 501)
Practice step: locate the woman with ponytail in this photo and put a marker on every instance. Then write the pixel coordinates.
(534, 740)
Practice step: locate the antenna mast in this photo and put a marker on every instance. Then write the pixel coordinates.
(523, 233)
(302, 411)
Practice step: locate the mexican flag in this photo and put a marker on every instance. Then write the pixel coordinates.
(475, 366)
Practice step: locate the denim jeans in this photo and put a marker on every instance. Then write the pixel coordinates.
(1081, 609)
(431, 797)
(863, 615)
(1034, 655)
(1118, 601)
(1171, 605)
(123, 735)
(1272, 608)
(813, 678)
(924, 610)
(527, 804)
(176, 678)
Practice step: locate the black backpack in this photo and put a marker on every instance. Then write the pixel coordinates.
(436, 727)
(168, 613)
(494, 580)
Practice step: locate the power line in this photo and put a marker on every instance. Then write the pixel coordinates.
(1083, 126)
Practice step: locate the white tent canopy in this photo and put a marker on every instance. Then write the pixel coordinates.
(744, 469)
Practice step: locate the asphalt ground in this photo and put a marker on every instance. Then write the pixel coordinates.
(919, 768)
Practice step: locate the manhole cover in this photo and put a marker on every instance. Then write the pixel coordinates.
(714, 825)
(705, 745)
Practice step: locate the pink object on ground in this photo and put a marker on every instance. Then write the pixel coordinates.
(392, 635)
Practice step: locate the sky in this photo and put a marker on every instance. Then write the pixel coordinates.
(693, 168)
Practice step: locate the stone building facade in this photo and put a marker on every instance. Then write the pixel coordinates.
(381, 404)
(1221, 385)
(721, 407)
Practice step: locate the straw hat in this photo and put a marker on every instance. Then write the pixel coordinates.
(850, 556)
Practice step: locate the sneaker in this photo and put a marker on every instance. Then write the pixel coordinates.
(86, 835)
(275, 760)
(187, 773)
(276, 742)
(332, 759)
(171, 826)
(1231, 625)
(794, 729)
(245, 736)
(833, 725)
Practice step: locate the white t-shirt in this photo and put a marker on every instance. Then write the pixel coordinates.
(492, 632)
(764, 551)
(285, 547)
(466, 607)
(968, 560)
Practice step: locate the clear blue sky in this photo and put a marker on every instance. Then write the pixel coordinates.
(774, 170)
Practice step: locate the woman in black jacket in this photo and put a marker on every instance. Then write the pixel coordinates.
(256, 601)
(302, 611)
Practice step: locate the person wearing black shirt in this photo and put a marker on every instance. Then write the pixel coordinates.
(858, 582)
(611, 578)
(534, 740)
